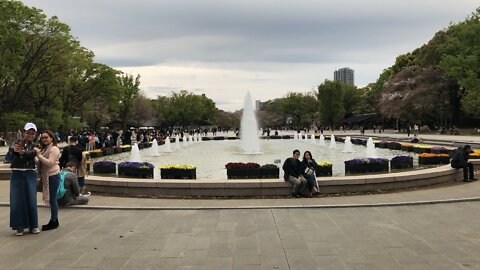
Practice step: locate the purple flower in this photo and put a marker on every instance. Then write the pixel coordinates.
(402, 158)
(136, 164)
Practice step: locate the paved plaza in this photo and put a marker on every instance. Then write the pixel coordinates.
(429, 228)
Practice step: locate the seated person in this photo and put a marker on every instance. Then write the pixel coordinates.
(72, 196)
(292, 168)
(309, 166)
(460, 160)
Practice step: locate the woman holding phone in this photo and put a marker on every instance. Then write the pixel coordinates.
(23, 184)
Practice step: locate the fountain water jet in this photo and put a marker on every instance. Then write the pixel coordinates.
(168, 145)
(135, 154)
(333, 144)
(312, 139)
(154, 149)
(371, 148)
(248, 132)
(322, 140)
(348, 145)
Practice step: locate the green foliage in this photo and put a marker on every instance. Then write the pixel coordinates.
(331, 99)
(12, 121)
(297, 109)
(184, 108)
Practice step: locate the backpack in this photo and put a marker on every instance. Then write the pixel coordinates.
(61, 187)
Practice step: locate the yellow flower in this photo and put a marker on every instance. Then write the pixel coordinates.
(324, 164)
(178, 166)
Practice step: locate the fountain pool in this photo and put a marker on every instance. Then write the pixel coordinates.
(210, 157)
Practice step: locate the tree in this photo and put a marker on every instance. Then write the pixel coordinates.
(331, 103)
(184, 108)
(128, 92)
(142, 109)
(417, 94)
(299, 108)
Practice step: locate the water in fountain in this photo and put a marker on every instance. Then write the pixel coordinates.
(348, 145)
(190, 139)
(184, 140)
(153, 151)
(135, 154)
(322, 140)
(168, 145)
(312, 139)
(333, 144)
(177, 142)
(295, 136)
(249, 136)
(371, 148)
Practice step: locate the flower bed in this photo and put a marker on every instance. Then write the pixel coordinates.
(239, 170)
(382, 144)
(433, 159)
(286, 137)
(324, 169)
(126, 148)
(439, 150)
(394, 146)
(136, 169)
(419, 148)
(117, 149)
(104, 167)
(475, 154)
(178, 171)
(407, 147)
(366, 165)
(107, 151)
(401, 162)
(96, 153)
(218, 138)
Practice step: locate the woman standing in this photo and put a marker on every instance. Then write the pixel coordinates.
(49, 171)
(23, 183)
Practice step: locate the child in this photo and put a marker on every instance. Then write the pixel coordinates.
(72, 195)
(82, 172)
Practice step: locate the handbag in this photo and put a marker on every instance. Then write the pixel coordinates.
(40, 185)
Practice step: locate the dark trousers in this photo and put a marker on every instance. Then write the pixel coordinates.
(467, 170)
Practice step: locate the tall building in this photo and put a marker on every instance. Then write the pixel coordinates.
(344, 75)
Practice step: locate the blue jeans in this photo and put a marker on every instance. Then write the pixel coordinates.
(23, 200)
(53, 184)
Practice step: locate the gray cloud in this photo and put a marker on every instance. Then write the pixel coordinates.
(244, 34)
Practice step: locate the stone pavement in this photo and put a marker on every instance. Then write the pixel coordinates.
(428, 228)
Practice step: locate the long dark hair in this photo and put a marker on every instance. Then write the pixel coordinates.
(304, 159)
(50, 134)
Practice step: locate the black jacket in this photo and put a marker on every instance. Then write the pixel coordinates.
(25, 161)
(292, 167)
(460, 158)
(70, 153)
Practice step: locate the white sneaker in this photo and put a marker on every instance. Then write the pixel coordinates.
(19, 233)
(35, 230)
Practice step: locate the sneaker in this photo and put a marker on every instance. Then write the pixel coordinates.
(467, 180)
(19, 233)
(35, 230)
(473, 179)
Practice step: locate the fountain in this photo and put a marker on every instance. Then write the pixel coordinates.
(312, 139)
(333, 144)
(295, 136)
(371, 148)
(168, 145)
(190, 139)
(322, 140)
(184, 140)
(249, 137)
(177, 142)
(135, 154)
(348, 145)
(153, 152)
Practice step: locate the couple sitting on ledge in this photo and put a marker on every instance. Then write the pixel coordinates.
(301, 174)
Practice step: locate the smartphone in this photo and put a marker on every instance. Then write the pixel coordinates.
(19, 144)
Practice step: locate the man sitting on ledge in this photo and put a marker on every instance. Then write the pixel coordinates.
(72, 194)
(460, 160)
(293, 174)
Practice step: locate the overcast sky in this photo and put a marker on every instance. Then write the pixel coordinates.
(224, 48)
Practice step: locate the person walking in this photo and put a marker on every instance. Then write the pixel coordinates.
(23, 184)
(49, 170)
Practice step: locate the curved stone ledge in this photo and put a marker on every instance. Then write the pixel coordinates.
(266, 187)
